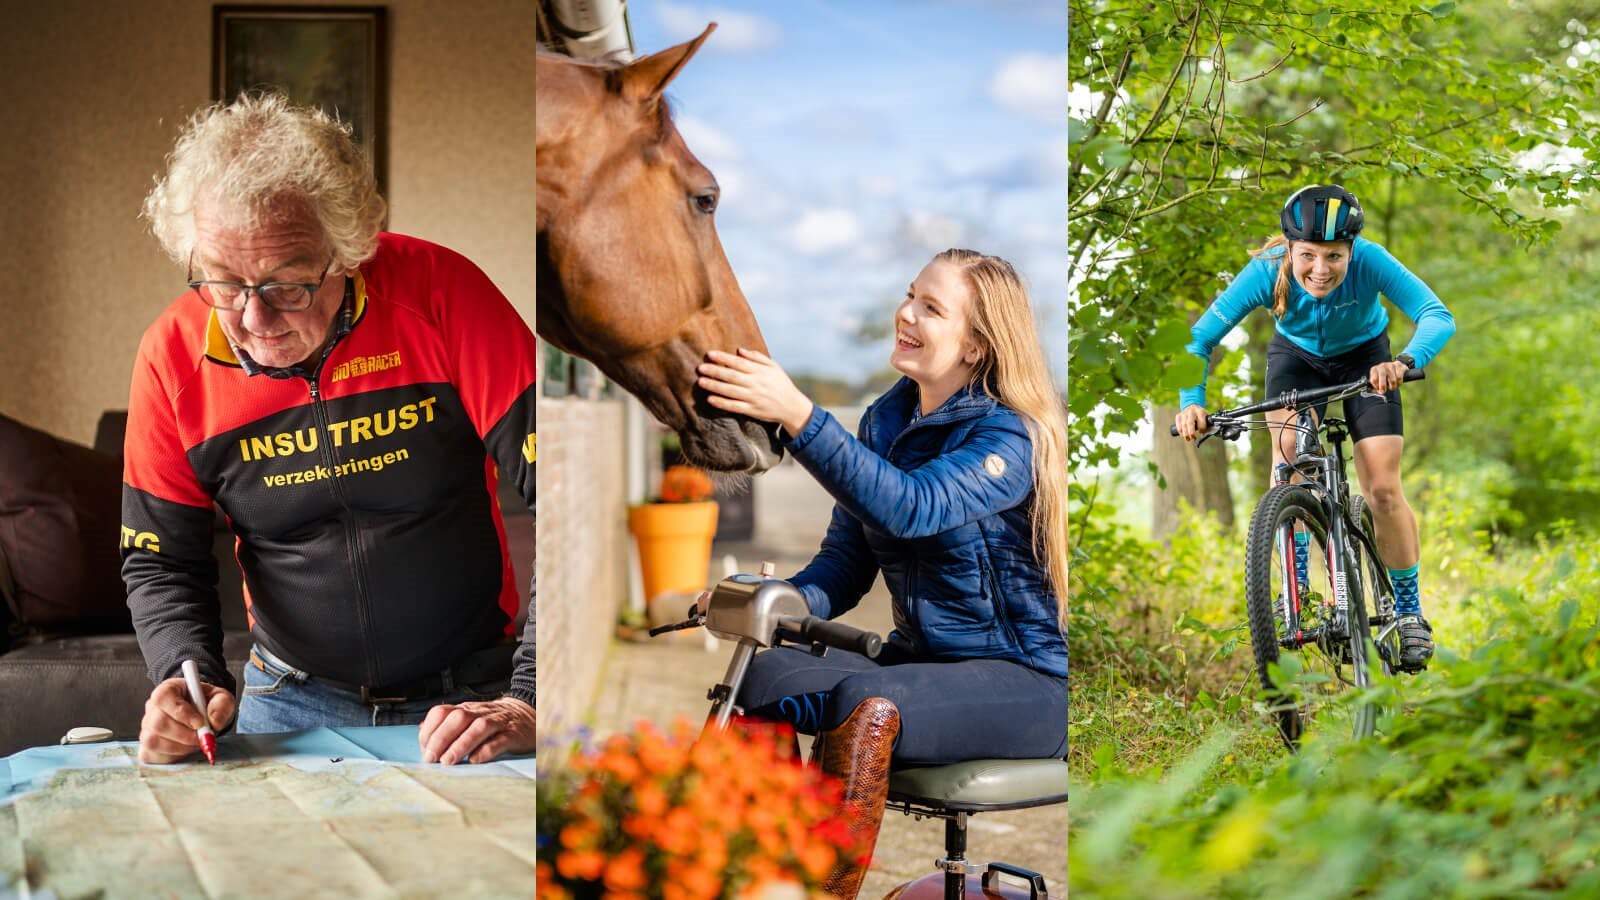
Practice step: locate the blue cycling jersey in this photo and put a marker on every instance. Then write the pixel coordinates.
(1334, 324)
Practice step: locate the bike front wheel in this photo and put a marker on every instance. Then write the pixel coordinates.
(1307, 652)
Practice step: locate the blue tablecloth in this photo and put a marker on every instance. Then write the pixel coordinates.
(31, 769)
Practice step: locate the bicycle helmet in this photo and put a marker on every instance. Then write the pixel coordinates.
(1321, 212)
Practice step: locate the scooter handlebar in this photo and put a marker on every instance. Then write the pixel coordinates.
(834, 634)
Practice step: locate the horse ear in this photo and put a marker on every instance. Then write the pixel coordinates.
(648, 77)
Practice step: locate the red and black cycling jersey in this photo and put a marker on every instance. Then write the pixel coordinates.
(362, 492)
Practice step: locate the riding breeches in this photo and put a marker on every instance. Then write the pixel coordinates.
(950, 710)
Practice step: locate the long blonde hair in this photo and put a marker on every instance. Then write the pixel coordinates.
(1280, 286)
(1013, 365)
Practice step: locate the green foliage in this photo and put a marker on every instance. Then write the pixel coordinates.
(1484, 783)
(1203, 115)
(1159, 647)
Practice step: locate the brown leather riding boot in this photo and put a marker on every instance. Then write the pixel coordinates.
(857, 753)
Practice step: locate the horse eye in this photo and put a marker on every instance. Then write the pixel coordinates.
(706, 202)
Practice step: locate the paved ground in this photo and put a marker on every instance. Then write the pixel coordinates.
(667, 678)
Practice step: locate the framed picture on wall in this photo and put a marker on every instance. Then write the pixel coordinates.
(327, 56)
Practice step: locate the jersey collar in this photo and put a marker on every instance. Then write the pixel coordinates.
(219, 350)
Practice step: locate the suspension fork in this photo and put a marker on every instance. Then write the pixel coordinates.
(1338, 559)
(1283, 474)
(1291, 580)
(1305, 437)
(1336, 504)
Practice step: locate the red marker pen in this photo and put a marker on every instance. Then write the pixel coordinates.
(208, 738)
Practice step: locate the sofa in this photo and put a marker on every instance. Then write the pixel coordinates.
(68, 655)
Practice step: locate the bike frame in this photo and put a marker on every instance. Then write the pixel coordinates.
(1324, 474)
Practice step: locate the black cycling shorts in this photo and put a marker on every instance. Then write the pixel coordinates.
(1290, 368)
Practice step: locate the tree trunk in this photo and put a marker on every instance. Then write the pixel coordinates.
(1196, 476)
(1259, 329)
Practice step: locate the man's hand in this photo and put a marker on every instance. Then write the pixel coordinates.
(167, 732)
(751, 384)
(477, 731)
(1191, 421)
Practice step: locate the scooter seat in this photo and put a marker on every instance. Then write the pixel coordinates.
(981, 785)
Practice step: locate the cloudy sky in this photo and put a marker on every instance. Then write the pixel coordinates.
(854, 140)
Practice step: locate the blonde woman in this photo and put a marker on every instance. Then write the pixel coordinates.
(1322, 280)
(955, 491)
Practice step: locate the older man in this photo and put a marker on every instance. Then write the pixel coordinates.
(345, 396)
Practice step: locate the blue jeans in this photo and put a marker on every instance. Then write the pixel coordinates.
(278, 697)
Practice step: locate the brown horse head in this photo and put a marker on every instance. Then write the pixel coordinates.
(631, 274)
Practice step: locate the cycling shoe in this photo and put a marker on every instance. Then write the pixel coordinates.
(1416, 642)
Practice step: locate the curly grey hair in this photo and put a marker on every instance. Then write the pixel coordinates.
(243, 160)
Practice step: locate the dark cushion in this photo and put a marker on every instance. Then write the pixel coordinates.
(49, 688)
(60, 522)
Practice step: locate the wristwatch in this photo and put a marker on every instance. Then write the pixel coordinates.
(1408, 359)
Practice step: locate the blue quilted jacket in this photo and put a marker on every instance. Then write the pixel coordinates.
(942, 507)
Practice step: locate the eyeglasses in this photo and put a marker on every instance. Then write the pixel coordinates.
(284, 296)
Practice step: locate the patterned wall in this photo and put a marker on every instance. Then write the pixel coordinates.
(95, 94)
(583, 552)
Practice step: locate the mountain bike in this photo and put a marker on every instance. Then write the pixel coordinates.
(1318, 632)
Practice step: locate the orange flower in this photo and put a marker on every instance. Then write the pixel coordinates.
(584, 865)
(625, 871)
(650, 800)
(697, 880)
(685, 484)
(579, 835)
(666, 816)
(818, 859)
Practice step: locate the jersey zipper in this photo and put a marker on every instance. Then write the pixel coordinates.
(354, 553)
(352, 532)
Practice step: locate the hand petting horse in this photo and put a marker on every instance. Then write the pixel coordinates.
(631, 274)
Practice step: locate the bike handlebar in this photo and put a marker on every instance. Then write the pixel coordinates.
(833, 634)
(1296, 398)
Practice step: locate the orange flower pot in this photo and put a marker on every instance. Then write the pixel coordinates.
(674, 541)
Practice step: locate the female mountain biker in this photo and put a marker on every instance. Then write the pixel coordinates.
(1321, 282)
(956, 493)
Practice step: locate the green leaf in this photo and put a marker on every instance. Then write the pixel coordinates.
(1170, 338)
(1116, 156)
(1322, 18)
(1185, 371)
(1440, 10)
(1088, 353)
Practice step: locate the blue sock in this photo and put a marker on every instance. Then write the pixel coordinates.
(1302, 556)
(1407, 599)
